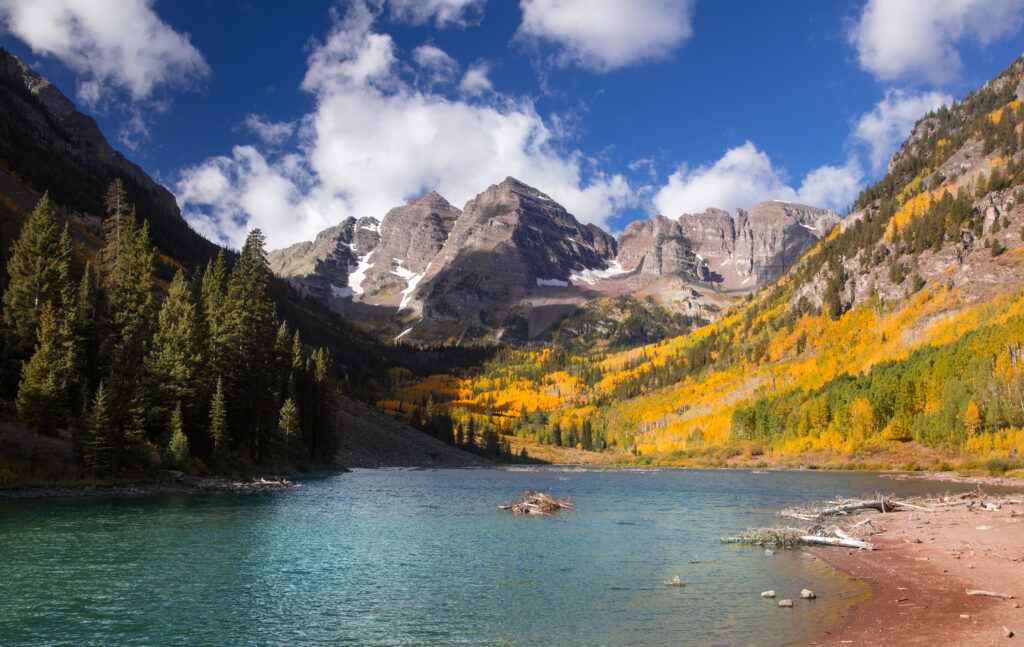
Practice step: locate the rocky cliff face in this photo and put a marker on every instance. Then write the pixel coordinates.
(63, 127)
(656, 248)
(756, 246)
(320, 269)
(410, 237)
(513, 261)
(511, 242)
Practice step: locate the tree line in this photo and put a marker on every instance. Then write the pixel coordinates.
(197, 374)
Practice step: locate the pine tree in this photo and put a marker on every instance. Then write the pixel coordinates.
(39, 271)
(175, 360)
(214, 292)
(250, 330)
(469, 443)
(43, 392)
(178, 448)
(128, 281)
(288, 428)
(219, 422)
(102, 450)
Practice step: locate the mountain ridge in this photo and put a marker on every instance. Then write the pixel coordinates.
(513, 262)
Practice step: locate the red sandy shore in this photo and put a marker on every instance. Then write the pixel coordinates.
(919, 575)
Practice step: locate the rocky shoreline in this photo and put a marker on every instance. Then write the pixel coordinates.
(179, 485)
(937, 577)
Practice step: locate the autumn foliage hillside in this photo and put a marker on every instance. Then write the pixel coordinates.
(898, 336)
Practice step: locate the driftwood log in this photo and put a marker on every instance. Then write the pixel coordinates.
(537, 503)
(990, 594)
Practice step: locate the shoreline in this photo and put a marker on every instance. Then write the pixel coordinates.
(182, 485)
(920, 572)
(199, 484)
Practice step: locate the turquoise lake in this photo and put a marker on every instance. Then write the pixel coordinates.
(407, 557)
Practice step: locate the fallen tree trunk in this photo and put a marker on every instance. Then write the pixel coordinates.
(849, 542)
(882, 505)
(991, 594)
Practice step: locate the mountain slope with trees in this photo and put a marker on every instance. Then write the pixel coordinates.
(898, 335)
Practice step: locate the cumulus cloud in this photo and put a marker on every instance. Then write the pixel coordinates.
(917, 38)
(374, 140)
(435, 63)
(892, 119)
(443, 13)
(476, 80)
(271, 132)
(110, 44)
(604, 35)
(745, 176)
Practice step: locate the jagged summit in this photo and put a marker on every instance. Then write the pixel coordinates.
(513, 261)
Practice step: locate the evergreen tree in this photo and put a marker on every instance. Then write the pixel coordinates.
(250, 330)
(214, 292)
(103, 449)
(288, 428)
(219, 423)
(469, 444)
(39, 270)
(178, 448)
(175, 361)
(283, 350)
(129, 290)
(43, 392)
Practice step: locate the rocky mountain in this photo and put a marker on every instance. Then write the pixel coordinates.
(756, 246)
(320, 269)
(48, 145)
(514, 262)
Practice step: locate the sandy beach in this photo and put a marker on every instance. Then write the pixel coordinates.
(921, 570)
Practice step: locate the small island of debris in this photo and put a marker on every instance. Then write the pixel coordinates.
(537, 503)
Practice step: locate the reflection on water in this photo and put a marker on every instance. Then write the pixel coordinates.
(399, 557)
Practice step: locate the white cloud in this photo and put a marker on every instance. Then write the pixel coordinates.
(913, 39)
(476, 80)
(832, 187)
(745, 176)
(892, 119)
(271, 132)
(374, 141)
(605, 35)
(435, 63)
(442, 12)
(110, 44)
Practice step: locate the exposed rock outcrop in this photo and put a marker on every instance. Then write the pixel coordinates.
(657, 247)
(514, 261)
(77, 135)
(510, 241)
(755, 246)
(410, 238)
(320, 269)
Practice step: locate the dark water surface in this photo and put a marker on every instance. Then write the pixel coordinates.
(394, 557)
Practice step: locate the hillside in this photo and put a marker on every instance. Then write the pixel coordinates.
(895, 338)
(131, 343)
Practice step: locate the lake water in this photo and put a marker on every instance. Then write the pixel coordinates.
(396, 557)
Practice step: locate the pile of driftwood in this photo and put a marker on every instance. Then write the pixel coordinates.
(827, 529)
(537, 503)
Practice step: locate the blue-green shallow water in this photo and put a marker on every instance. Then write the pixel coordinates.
(393, 557)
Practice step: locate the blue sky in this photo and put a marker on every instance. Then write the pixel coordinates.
(293, 116)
